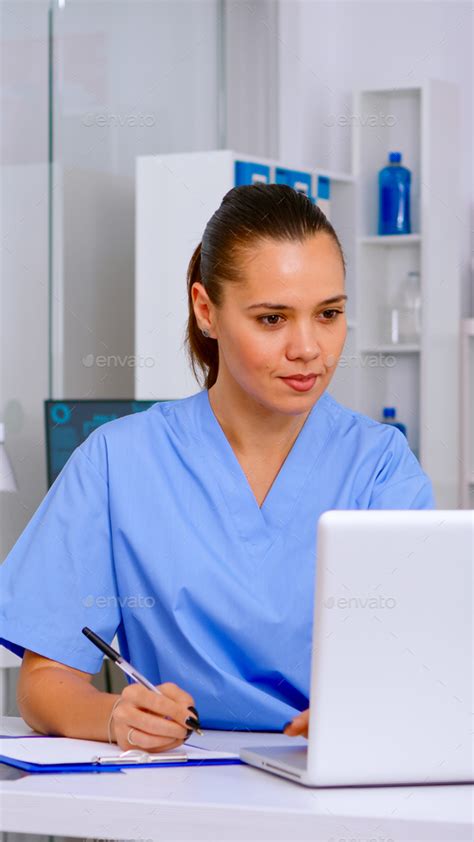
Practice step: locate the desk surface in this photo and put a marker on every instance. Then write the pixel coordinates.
(227, 803)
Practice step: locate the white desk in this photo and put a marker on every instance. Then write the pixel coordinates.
(227, 803)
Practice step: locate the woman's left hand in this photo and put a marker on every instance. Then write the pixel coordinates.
(298, 726)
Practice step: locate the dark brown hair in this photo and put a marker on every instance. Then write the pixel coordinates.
(247, 214)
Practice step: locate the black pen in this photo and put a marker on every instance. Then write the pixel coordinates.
(127, 668)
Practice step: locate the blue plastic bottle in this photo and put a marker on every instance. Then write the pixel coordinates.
(389, 415)
(394, 197)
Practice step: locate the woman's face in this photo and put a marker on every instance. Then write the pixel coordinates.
(302, 332)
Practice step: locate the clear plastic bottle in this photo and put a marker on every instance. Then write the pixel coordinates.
(394, 197)
(389, 417)
(405, 311)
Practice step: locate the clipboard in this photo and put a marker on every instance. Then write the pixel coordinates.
(30, 754)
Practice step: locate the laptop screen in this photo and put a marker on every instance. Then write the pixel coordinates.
(69, 422)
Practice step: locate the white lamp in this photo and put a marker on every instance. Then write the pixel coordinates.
(7, 477)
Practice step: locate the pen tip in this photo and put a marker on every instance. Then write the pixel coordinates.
(198, 731)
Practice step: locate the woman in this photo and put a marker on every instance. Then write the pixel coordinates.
(190, 529)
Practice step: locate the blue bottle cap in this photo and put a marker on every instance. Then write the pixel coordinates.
(389, 412)
(395, 157)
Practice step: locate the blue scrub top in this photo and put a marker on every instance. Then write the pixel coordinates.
(151, 531)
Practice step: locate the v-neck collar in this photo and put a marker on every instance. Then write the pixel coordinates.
(259, 526)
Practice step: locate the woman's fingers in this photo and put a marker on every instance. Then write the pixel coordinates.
(171, 703)
(149, 723)
(298, 727)
(129, 733)
(176, 693)
(148, 742)
(158, 720)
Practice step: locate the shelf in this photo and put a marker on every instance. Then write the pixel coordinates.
(347, 178)
(392, 349)
(387, 92)
(390, 240)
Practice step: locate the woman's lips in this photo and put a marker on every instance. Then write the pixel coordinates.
(301, 384)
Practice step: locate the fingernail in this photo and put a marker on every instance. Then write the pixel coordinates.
(286, 724)
(191, 722)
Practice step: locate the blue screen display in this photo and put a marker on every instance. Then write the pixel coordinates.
(69, 422)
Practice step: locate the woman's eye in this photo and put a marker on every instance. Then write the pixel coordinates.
(329, 316)
(333, 314)
(271, 316)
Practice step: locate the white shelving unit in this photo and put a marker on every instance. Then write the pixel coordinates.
(177, 194)
(467, 415)
(423, 124)
(399, 240)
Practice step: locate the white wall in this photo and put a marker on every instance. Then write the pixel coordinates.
(23, 257)
(326, 49)
(251, 77)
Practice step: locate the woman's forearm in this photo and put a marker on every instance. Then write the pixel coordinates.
(54, 701)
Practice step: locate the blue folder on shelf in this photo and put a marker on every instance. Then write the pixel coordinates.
(40, 754)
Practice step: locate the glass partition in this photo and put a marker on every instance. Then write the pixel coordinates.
(126, 79)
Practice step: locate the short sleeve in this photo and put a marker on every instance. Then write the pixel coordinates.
(59, 575)
(400, 482)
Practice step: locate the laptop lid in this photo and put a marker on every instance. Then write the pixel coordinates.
(392, 664)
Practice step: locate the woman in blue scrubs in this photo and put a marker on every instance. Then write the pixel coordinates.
(189, 530)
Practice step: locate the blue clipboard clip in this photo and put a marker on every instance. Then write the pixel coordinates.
(136, 756)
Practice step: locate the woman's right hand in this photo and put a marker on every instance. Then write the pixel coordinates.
(158, 721)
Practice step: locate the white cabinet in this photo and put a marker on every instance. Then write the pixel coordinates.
(178, 193)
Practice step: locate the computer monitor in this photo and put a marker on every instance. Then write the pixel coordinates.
(69, 422)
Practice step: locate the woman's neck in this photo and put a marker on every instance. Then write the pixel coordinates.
(250, 427)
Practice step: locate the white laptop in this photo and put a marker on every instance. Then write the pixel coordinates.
(392, 665)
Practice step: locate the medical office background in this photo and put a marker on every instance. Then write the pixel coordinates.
(90, 86)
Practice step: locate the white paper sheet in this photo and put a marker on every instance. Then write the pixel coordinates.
(233, 741)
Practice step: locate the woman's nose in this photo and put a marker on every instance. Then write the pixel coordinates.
(303, 343)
